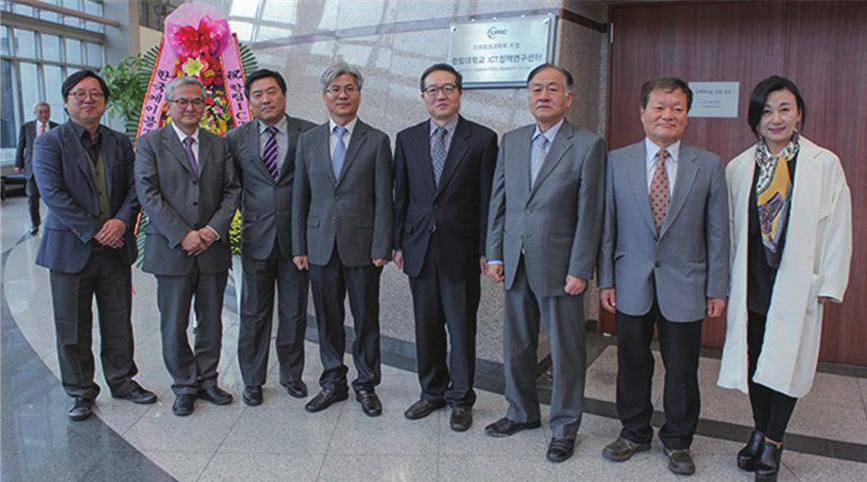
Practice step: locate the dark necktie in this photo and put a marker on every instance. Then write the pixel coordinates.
(438, 153)
(191, 158)
(270, 153)
(659, 195)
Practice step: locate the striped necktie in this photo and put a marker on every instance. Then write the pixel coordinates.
(269, 155)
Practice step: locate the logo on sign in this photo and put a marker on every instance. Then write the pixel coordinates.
(495, 32)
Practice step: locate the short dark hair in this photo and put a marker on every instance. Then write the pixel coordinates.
(264, 74)
(77, 77)
(570, 81)
(667, 85)
(459, 79)
(760, 96)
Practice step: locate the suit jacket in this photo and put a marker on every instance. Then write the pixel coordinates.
(556, 223)
(176, 201)
(24, 153)
(457, 209)
(354, 210)
(69, 190)
(689, 261)
(266, 204)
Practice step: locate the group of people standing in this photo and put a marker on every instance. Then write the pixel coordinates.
(672, 234)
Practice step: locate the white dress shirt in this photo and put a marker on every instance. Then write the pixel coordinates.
(670, 163)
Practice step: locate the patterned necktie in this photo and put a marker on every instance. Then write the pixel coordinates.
(269, 155)
(659, 195)
(537, 157)
(339, 151)
(191, 158)
(42, 129)
(438, 153)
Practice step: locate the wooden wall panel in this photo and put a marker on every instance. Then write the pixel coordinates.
(819, 45)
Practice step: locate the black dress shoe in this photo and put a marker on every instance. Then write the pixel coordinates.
(184, 405)
(325, 399)
(422, 409)
(680, 461)
(768, 463)
(747, 456)
(81, 409)
(505, 427)
(138, 395)
(370, 404)
(560, 449)
(34, 230)
(622, 449)
(462, 418)
(252, 396)
(296, 388)
(215, 395)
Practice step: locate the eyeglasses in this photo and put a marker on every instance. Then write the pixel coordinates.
(446, 89)
(81, 95)
(346, 89)
(184, 103)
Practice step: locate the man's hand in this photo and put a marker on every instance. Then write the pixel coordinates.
(380, 262)
(19, 169)
(574, 285)
(208, 236)
(111, 233)
(398, 258)
(483, 265)
(495, 272)
(301, 262)
(193, 243)
(715, 307)
(608, 299)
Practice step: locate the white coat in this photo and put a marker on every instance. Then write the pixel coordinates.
(815, 263)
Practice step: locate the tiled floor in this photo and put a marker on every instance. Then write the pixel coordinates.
(280, 441)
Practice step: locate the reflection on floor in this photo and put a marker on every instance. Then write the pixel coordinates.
(280, 441)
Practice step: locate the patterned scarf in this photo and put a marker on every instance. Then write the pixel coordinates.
(773, 194)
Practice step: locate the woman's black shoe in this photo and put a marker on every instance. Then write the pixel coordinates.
(768, 463)
(747, 456)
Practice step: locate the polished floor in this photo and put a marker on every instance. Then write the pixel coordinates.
(280, 441)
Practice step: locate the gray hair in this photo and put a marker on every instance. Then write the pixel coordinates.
(336, 70)
(179, 81)
(40, 104)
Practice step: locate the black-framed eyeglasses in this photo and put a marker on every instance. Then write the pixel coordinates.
(445, 88)
(184, 103)
(81, 95)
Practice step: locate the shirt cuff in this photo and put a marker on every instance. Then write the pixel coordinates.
(214, 231)
(494, 261)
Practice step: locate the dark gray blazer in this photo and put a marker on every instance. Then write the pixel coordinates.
(354, 210)
(557, 222)
(266, 205)
(176, 201)
(24, 152)
(689, 262)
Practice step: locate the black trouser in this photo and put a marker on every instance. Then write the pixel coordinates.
(32, 191)
(107, 277)
(771, 409)
(257, 313)
(330, 284)
(439, 303)
(679, 344)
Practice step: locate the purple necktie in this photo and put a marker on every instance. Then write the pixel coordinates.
(191, 158)
(270, 153)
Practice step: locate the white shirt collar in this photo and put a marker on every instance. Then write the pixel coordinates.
(449, 126)
(652, 149)
(183, 135)
(551, 133)
(281, 125)
(349, 127)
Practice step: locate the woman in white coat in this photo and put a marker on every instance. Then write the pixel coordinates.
(791, 229)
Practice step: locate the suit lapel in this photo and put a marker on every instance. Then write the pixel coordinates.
(174, 146)
(520, 161)
(420, 154)
(323, 133)
(686, 172)
(359, 134)
(75, 143)
(637, 173)
(562, 144)
(457, 152)
(108, 150)
(289, 150)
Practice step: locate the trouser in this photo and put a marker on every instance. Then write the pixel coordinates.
(32, 191)
(772, 410)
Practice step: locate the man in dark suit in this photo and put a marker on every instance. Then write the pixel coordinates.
(443, 172)
(186, 183)
(664, 264)
(264, 154)
(342, 230)
(543, 235)
(86, 172)
(24, 156)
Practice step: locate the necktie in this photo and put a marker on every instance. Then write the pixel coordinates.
(191, 158)
(269, 156)
(537, 157)
(339, 151)
(438, 153)
(42, 129)
(659, 195)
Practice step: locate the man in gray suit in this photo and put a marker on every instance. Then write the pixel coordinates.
(342, 231)
(264, 154)
(186, 183)
(543, 234)
(664, 264)
(24, 157)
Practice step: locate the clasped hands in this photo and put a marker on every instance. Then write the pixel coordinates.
(196, 241)
(111, 233)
